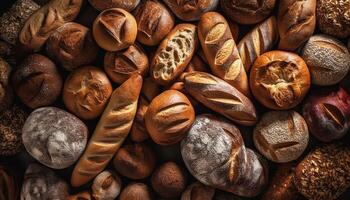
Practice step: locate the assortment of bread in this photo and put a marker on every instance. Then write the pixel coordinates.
(174, 99)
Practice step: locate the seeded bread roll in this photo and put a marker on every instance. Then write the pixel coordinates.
(327, 58)
(324, 174)
(41, 24)
(114, 29)
(127, 5)
(221, 51)
(154, 22)
(221, 97)
(296, 23)
(214, 153)
(174, 54)
(110, 132)
(258, 41)
(191, 10)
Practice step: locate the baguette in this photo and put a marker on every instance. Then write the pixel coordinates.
(110, 132)
(221, 51)
(174, 54)
(258, 41)
(221, 97)
(296, 23)
(40, 25)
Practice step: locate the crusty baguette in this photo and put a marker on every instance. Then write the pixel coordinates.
(221, 52)
(258, 41)
(110, 132)
(41, 24)
(221, 97)
(296, 22)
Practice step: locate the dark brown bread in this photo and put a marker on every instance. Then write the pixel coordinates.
(127, 5)
(191, 10)
(154, 22)
(120, 65)
(247, 12)
(221, 51)
(37, 81)
(198, 191)
(9, 189)
(221, 97)
(324, 174)
(214, 153)
(6, 92)
(261, 39)
(72, 46)
(110, 132)
(174, 54)
(41, 24)
(296, 22)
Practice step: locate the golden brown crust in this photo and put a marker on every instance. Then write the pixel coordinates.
(221, 51)
(127, 5)
(279, 80)
(110, 132)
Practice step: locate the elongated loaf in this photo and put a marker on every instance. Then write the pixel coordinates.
(40, 25)
(110, 131)
(221, 52)
(296, 22)
(258, 41)
(221, 97)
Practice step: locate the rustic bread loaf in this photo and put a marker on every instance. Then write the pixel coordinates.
(43, 22)
(110, 132)
(296, 23)
(214, 153)
(261, 39)
(101, 5)
(221, 51)
(220, 97)
(174, 54)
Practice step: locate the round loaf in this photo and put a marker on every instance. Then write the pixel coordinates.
(6, 92)
(198, 191)
(279, 80)
(191, 10)
(327, 58)
(72, 46)
(120, 65)
(101, 5)
(37, 81)
(247, 12)
(324, 174)
(154, 22)
(169, 180)
(114, 29)
(135, 161)
(54, 137)
(86, 92)
(333, 17)
(281, 136)
(168, 117)
(106, 185)
(138, 191)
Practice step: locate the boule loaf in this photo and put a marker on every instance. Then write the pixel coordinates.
(258, 41)
(296, 22)
(110, 132)
(221, 97)
(174, 53)
(221, 51)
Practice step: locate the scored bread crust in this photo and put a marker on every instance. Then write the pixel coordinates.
(110, 132)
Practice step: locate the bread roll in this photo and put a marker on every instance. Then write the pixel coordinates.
(198, 191)
(296, 23)
(114, 29)
(174, 54)
(139, 191)
(221, 51)
(110, 132)
(327, 58)
(214, 153)
(101, 5)
(191, 10)
(106, 185)
(43, 22)
(261, 39)
(221, 97)
(279, 80)
(247, 12)
(154, 22)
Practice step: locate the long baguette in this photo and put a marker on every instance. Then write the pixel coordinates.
(110, 132)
